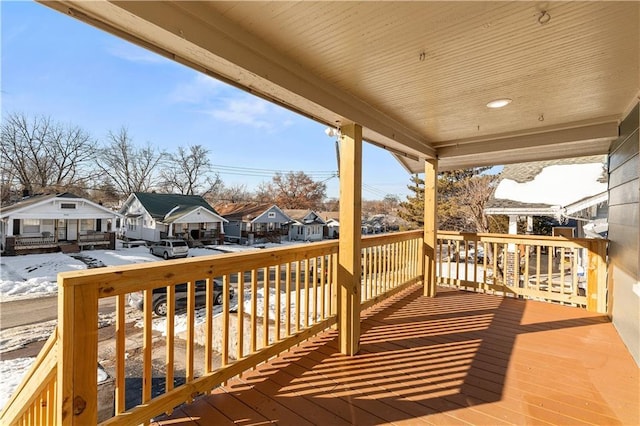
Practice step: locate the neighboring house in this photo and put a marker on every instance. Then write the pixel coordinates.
(332, 229)
(250, 223)
(569, 189)
(306, 225)
(152, 217)
(50, 222)
(332, 219)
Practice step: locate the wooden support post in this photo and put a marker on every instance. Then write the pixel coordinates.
(349, 242)
(77, 354)
(430, 226)
(597, 277)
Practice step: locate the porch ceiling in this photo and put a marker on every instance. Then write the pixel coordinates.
(416, 75)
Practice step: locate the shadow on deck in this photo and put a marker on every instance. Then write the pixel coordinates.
(455, 359)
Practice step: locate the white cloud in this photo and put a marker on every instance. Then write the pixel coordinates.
(231, 105)
(244, 110)
(200, 90)
(132, 53)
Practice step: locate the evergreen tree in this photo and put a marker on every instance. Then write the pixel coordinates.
(462, 195)
(412, 210)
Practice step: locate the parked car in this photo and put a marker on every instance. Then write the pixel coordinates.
(159, 298)
(170, 249)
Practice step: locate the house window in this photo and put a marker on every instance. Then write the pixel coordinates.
(86, 224)
(131, 224)
(271, 215)
(68, 205)
(31, 226)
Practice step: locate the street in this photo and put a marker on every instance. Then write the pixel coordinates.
(19, 313)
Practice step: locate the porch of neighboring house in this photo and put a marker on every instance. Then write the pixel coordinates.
(459, 358)
(49, 235)
(197, 233)
(265, 233)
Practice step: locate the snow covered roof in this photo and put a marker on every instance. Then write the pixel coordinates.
(545, 187)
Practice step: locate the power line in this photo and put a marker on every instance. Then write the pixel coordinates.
(373, 190)
(253, 171)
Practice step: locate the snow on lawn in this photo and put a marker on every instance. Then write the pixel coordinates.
(180, 322)
(35, 275)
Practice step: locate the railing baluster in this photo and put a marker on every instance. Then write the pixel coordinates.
(538, 266)
(240, 314)
(170, 339)
(278, 308)
(254, 309)
(119, 398)
(314, 286)
(323, 286)
(265, 308)
(306, 293)
(208, 343)
(288, 299)
(226, 283)
(551, 253)
(298, 297)
(146, 347)
(191, 319)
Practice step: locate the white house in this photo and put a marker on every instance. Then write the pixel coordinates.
(50, 221)
(306, 225)
(151, 217)
(566, 189)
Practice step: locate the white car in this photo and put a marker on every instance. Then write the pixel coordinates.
(170, 249)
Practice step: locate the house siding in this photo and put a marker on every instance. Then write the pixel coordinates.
(624, 233)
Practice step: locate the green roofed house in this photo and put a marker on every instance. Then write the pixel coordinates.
(152, 217)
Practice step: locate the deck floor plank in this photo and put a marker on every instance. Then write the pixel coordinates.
(458, 358)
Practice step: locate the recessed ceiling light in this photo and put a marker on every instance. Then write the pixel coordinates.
(499, 103)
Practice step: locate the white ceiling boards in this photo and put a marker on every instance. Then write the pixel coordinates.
(416, 75)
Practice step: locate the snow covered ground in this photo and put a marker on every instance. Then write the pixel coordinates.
(34, 275)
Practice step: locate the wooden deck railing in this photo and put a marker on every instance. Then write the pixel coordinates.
(286, 296)
(22, 242)
(555, 269)
(35, 401)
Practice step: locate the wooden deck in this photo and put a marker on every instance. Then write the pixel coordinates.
(460, 358)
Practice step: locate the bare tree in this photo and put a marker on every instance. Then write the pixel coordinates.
(129, 168)
(297, 191)
(263, 193)
(189, 172)
(232, 194)
(39, 154)
(476, 191)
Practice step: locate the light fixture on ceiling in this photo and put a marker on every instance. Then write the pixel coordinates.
(499, 103)
(332, 132)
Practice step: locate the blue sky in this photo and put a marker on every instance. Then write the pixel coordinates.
(56, 66)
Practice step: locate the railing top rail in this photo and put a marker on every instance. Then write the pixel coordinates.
(486, 237)
(115, 280)
(392, 237)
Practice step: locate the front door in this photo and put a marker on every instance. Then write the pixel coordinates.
(62, 230)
